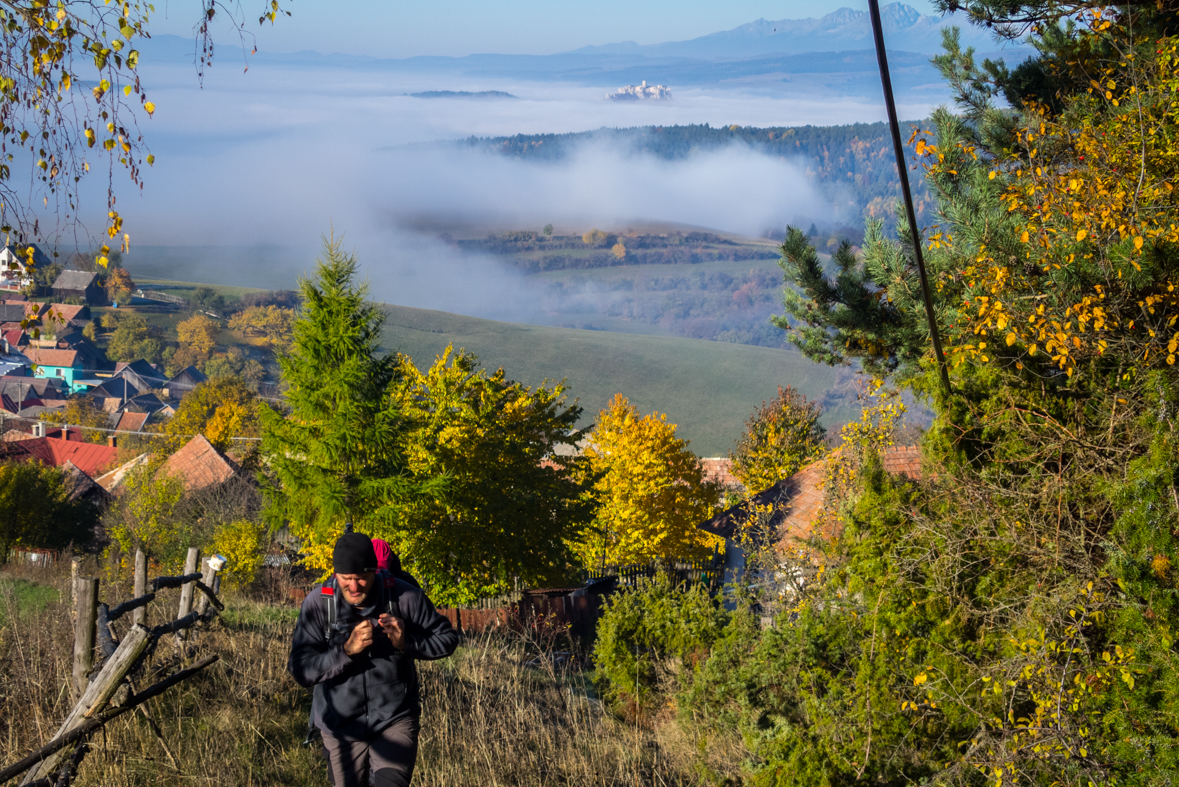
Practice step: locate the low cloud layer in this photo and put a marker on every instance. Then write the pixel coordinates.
(736, 189)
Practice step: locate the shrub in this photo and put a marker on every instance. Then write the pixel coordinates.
(242, 543)
(653, 632)
(594, 237)
(36, 509)
(146, 516)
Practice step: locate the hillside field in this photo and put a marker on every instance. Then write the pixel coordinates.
(707, 388)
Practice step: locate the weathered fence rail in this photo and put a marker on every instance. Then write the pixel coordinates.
(103, 688)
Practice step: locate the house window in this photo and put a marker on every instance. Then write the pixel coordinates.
(59, 374)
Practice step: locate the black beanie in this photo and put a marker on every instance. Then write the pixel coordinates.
(354, 554)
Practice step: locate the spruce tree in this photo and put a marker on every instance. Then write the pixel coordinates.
(336, 456)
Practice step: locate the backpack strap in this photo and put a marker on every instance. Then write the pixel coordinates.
(392, 603)
(327, 594)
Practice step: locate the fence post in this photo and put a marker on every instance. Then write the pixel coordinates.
(139, 616)
(212, 565)
(85, 627)
(75, 563)
(98, 693)
(190, 567)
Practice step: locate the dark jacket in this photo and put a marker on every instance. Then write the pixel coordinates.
(365, 693)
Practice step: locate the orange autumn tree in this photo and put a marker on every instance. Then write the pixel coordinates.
(650, 490)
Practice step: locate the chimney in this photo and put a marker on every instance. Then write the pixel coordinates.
(112, 441)
(39, 429)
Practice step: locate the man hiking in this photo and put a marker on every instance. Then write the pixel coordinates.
(387, 561)
(358, 637)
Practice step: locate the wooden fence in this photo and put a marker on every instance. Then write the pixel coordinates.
(163, 297)
(576, 610)
(681, 572)
(576, 616)
(104, 681)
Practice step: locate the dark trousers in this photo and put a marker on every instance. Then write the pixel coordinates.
(389, 757)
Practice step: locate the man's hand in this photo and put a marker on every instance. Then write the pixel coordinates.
(394, 629)
(360, 638)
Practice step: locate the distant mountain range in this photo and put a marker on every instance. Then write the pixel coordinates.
(828, 57)
(905, 29)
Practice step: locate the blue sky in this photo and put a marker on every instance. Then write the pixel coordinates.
(396, 28)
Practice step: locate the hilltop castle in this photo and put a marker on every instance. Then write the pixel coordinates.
(637, 92)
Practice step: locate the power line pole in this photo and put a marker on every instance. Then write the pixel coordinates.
(907, 194)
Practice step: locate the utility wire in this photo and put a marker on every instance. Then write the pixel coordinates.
(67, 427)
(903, 171)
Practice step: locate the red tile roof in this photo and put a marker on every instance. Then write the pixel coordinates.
(720, 468)
(43, 357)
(90, 458)
(199, 465)
(65, 311)
(132, 422)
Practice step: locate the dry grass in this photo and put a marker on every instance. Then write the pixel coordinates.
(504, 710)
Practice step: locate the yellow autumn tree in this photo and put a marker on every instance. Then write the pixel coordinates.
(220, 409)
(272, 323)
(198, 337)
(243, 543)
(594, 237)
(81, 412)
(145, 516)
(515, 497)
(780, 437)
(650, 490)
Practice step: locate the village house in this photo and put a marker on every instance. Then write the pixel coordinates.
(133, 385)
(13, 339)
(14, 312)
(27, 396)
(65, 365)
(792, 507)
(184, 381)
(15, 272)
(199, 465)
(82, 285)
(127, 421)
(13, 363)
(62, 319)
